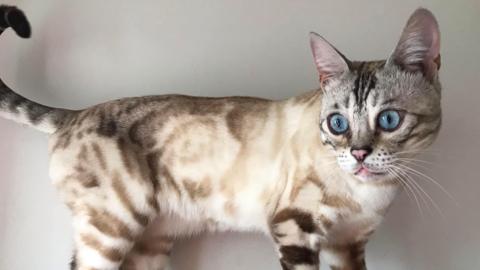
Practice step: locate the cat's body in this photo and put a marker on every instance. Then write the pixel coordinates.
(197, 164)
(139, 172)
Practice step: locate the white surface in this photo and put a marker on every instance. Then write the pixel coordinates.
(85, 52)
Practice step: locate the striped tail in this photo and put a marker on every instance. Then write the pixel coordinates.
(16, 107)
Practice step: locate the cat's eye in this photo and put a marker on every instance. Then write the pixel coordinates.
(389, 120)
(337, 123)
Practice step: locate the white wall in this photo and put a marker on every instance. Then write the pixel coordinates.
(84, 52)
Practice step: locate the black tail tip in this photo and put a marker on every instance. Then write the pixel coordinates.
(11, 16)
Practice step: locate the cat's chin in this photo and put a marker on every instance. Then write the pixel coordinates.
(378, 177)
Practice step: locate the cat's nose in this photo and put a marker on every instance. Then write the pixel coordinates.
(360, 153)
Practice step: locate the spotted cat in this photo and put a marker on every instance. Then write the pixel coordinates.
(316, 172)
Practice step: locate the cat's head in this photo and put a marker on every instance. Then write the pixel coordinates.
(376, 114)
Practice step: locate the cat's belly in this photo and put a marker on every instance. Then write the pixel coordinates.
(216, 213)
(177, 226)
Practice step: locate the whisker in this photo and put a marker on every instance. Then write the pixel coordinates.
(422, 150)
(417, 152)
(413, 187)
(391, 172)
(425, 194)
(418, 173)
(413, 184)
(409, 188)
(409, 162)
(435, 205)
(416, 160)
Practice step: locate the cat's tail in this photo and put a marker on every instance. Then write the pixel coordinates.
(16, 107)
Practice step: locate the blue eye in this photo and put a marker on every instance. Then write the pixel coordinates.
(389, 120)
(337, 123)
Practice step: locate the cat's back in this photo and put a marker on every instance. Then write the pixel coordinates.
(182, 130)
(137, 119)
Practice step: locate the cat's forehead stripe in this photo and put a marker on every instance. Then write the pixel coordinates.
(365, 81)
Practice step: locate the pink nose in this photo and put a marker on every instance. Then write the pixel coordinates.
(360, 154)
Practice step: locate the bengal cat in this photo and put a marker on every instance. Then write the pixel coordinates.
(316, 172)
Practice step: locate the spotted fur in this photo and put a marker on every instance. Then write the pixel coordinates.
(138, 173)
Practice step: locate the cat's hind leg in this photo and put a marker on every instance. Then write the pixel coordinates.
(108, 187)
(103, 239)
(111, 208)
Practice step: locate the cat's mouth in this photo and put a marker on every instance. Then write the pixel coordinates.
(365, 173)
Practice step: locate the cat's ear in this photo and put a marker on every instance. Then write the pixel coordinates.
(419, 45)
(329, 61)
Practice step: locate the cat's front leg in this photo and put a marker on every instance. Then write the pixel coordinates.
(297, 257)
(297, 240)
(345, 256)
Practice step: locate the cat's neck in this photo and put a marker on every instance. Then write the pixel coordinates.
(303, 117)
(303, 122)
